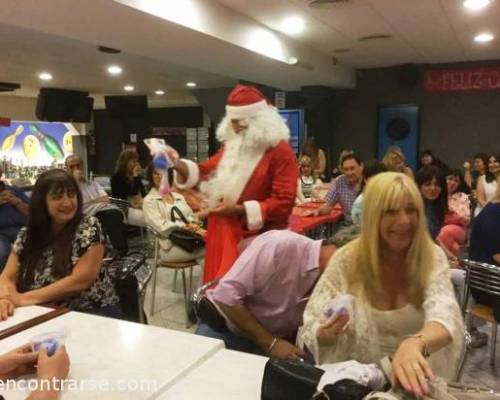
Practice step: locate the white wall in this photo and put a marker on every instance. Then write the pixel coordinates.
(18, 108)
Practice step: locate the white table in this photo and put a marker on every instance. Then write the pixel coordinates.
(226, 375)
(112, 351)
(22, 314)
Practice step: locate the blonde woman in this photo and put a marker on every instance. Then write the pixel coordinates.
(394, 160)
(307, 180)
(404, 305)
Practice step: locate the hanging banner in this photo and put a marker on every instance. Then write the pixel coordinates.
(448, 80)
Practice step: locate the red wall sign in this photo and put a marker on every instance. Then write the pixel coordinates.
(447, 80)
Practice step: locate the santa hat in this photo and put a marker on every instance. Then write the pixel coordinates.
(245, 102)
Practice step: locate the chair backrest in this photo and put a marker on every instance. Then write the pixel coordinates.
(123, 205)
(482, 276)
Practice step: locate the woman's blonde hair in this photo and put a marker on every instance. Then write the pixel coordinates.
(390, 190)
(305, 160)
(391, 156)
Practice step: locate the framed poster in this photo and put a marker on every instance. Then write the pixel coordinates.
(26, 143)
(398, 125)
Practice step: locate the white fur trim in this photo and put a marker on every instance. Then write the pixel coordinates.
(251, 110)
(193, 175)
(254, 215)
(265, 130)
(233, 172)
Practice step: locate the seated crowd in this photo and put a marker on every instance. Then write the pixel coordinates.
(401, 232)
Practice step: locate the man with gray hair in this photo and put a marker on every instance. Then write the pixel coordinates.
(96, 202)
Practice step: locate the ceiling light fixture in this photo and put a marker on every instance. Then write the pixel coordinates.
(292, 25)
(128, 88)
(191, 84)
(475, 5)
(45, 76)
(483, 37)
(115, 70)
(293, 60)
(160, 92)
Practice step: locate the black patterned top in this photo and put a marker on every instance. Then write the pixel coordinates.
(88, 233)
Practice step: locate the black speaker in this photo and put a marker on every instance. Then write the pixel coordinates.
(64, 105)
(127, 107)
(409, 75)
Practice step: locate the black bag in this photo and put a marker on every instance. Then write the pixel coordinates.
(123, 270)
(290, 380)
(208, 314)
(184, 238)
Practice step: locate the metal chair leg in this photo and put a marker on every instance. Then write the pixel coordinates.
(174, 282)
(155, 269)
(153, 291)
(141, 308)
(493, 342)
(186, 299)
(190, 283)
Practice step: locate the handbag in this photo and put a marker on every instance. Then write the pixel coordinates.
(184, 238)
(125, 272)
(290, 380)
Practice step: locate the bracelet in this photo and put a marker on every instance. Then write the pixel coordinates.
(271, 346)
(425, 350)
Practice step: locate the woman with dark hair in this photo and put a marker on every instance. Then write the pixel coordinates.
(487, 184)
(158, 214)
(126, 184)
(427, 157)
(457, 219)
(432, 185)
(480, 168)
(58, 256)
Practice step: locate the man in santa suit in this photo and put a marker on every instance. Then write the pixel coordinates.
(250, 182)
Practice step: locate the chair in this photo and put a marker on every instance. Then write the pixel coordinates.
(463, 358)
(143, 276)
(486, 278)
(176, 267)
(123, 205)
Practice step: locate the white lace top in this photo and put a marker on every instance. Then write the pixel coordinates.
(364, 339)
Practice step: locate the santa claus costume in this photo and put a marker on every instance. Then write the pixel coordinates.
(255, 168)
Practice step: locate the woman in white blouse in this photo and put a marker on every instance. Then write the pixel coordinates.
(157, 214)
(404, 305)
(487, 183)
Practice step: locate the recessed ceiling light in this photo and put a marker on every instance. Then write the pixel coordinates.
(160, 92)
(45, 76)
(292, 25)
(476, 4)
(484, 37)
(191, 84)
(115, 70)
(293, 60)
(128, 88)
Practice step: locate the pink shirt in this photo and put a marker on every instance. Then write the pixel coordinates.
(273, 278)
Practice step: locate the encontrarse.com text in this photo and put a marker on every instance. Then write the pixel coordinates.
(80, 385)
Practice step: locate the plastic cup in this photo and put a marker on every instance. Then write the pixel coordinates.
(50, 341)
